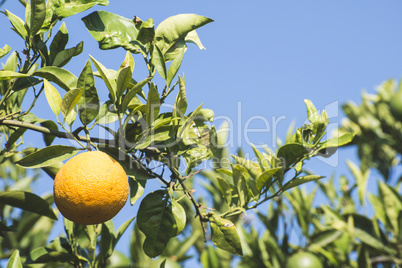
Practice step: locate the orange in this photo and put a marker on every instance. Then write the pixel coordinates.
(90, 188)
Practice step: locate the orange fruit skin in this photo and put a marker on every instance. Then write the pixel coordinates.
(90, 188)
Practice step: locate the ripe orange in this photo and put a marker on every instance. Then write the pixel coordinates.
(90, 188)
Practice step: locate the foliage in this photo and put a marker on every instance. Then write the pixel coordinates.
(145, 135)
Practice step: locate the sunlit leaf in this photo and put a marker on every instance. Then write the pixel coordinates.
(224, 235)
(53, 97)
(70, 100)
(113, 31)
(47, 156)
(18, 24)
(61, 77)
(153, 104)
(6, 75)
(106, 77)
(173, 28)
(59, 42)
(66, 8)
(14, 261)
(174, 68)
(300, 180)
(136, 189)
(4, 51)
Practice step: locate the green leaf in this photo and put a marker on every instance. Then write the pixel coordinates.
(157, 221)
(361, 179)
(113, 31)
(226, 189)
(123, 80)
(240, 179)
(14, 261)
(18, 24)
(174, 67)
(180, 104)
(392, 203)
(146, 31)
(130, 165)
(7, 75)
(64, 56)
(4, 51)
(325, 237)
(312, 113)
(136, 189)
(252, 168)
(266, 177)
(153, 104)
(133, 92)
(159, 61)
(106, 77)
(53, 169)
(106, 242)
(180, 216)
(343, 140)
(88, 105)
(188, 122)
(61, 77)
(291, 153)
(48, 138)
(264, 162)
(38, 16)
(368, 239)
(66, 8)
(53, 97)
(192, 37)
(70, 100)
(122, 229)
(59, 42)
(224, 235)
(106, 115)
(27, 201)
(300, 180)
(176, 27)
(47, 255)
(47, 156)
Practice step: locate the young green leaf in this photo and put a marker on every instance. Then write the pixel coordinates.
(300, 180)
(27, 201)
(226, 189)
(7, 75)
(266, 177)
(70, 100)
(53, 97)
(153, 104)
(133, 92)
(312, 113)
(159, 62)
(180, 104)
(123, 80)
(18, 24)
(173, 28)
(65, 9)
(61, 77)
(224, 235)
(88, 105)
(14, 261)
(192, 37)
(106, 77)
(4, 51)
(174, 67)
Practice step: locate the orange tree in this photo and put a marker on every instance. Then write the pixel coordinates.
(144, 136)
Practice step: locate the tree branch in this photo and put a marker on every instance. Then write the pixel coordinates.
(45, 130)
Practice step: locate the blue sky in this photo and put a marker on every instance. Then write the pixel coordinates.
(265, 56)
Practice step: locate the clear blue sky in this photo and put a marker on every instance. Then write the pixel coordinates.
(266, 56)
